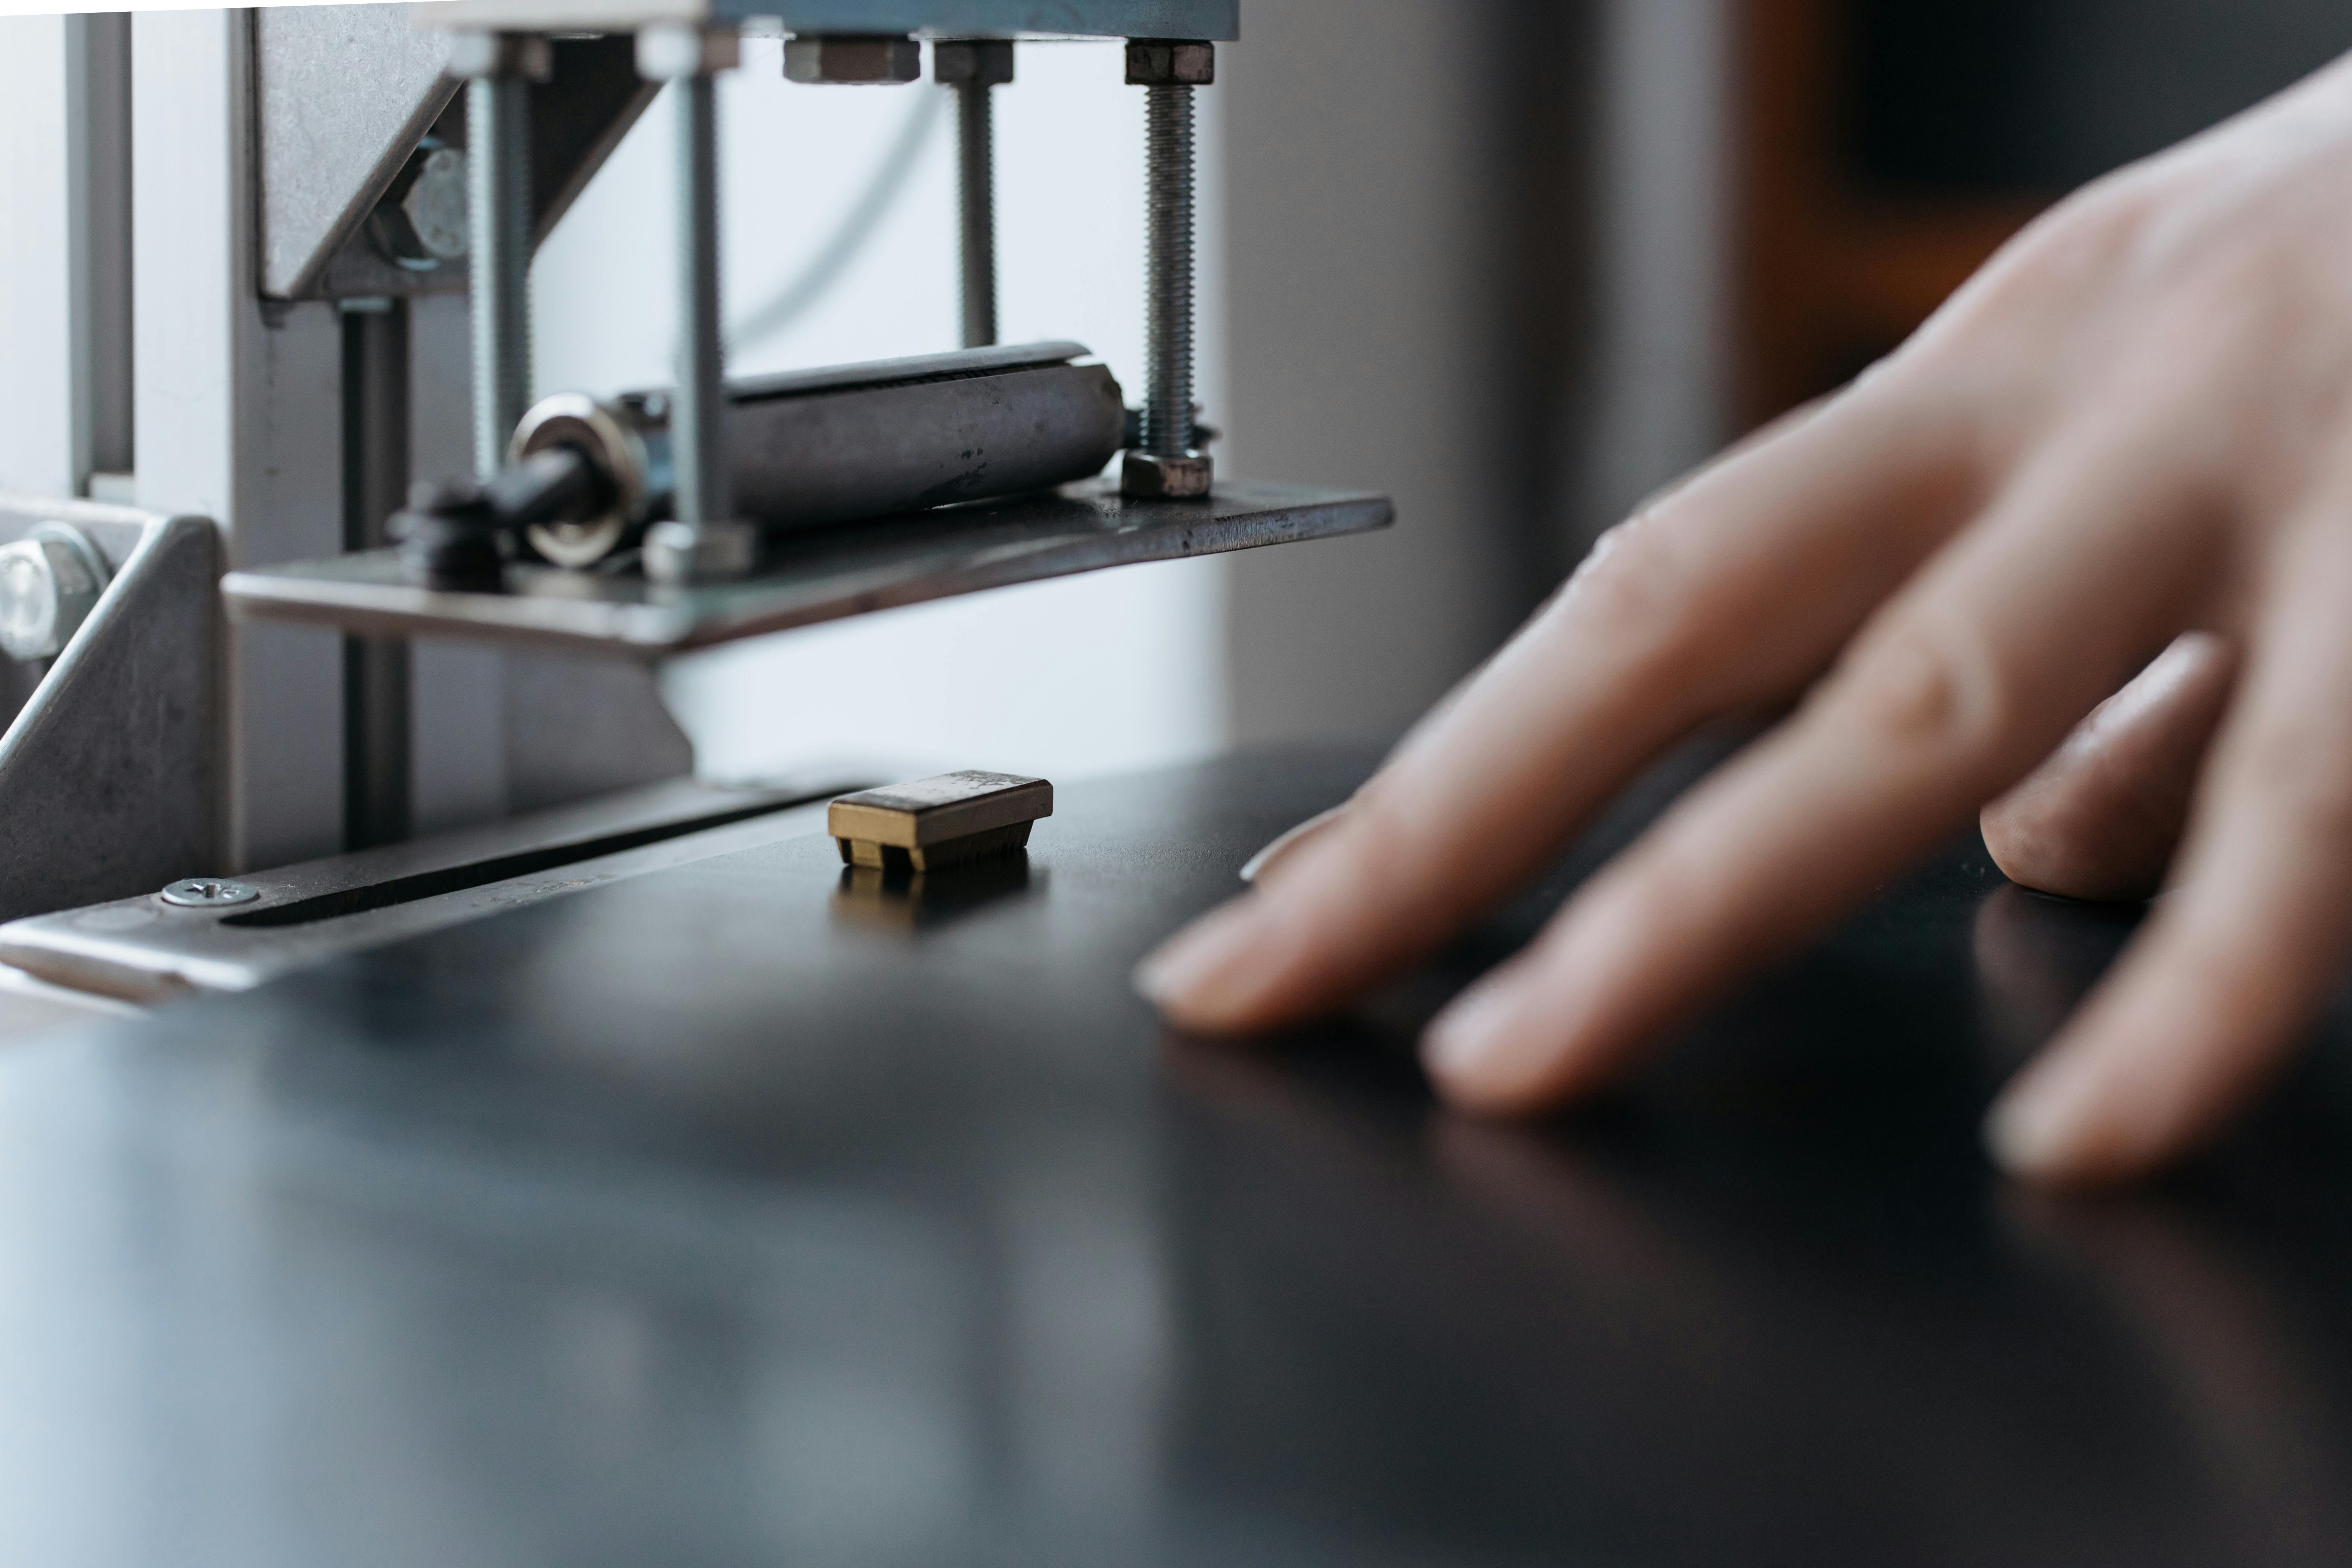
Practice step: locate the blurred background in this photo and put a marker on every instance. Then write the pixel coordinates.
(1516, 262)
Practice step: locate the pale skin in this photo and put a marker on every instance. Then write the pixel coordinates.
(2128, 439)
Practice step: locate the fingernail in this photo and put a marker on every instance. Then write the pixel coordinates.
(1467, 1035)
(1274, 854)
(1191, 961)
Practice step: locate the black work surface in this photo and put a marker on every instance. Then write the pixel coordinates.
(744, 1214)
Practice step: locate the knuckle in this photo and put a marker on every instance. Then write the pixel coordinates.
(1634, 592)
(2075, 248)
(1921, 688)
(1400, 831)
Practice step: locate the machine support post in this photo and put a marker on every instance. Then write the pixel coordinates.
(500, 68)
(974, 69)
(699, 403)
(1167, 464)
(378, 672)
(706, 541)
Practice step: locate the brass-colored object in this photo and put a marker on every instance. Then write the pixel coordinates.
(938, 822)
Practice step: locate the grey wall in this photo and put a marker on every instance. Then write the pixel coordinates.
(1474, 258)
(1379, 206)
(1650, 401)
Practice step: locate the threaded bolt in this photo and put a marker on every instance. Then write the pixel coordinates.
(976, 168)
(1167, 467)
(1171, 150)
(498, 215)
(972, 67)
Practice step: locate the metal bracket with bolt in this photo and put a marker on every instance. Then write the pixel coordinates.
(422, 224)
(110, 771)
(49, 582)
(1167, 465)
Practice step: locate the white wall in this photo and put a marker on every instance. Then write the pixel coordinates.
(1108, 671)
(37, 358)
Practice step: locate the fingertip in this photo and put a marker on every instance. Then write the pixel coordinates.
(2056, 1128)
(2046, 846)
(1210, 976)
(1501, 1049)
(1459, 1047)
(2023, 1136)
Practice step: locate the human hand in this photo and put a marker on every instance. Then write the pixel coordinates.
(2133, 430)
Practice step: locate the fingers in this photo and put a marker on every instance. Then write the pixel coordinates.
(1737, 588)
(1971, 674)
(2101, 818)
(2237, 962)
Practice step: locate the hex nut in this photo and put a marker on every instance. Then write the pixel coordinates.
(973, 62)
(1148, 475)
(421, 223)
(49, 582)
(436, 205)
(677, 555)
(667, 51)
(483, 53)
(1171, 62)
(853, 59)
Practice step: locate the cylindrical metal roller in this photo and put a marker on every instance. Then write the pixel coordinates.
(812, 447)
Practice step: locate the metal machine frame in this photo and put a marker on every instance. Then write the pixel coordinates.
(271, 151)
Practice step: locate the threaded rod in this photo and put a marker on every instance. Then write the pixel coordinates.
(976, 169)
(1169, 155)
(498, 173)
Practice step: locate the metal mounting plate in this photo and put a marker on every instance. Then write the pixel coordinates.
(821, 575)
(1211, 19)
(143, 948)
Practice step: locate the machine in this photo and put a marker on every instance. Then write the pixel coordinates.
(403, 152)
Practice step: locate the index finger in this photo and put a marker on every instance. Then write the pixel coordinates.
(1736, 589)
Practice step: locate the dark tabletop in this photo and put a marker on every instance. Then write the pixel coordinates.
(746, 1213)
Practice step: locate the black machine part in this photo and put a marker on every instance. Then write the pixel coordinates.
(815, 447)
